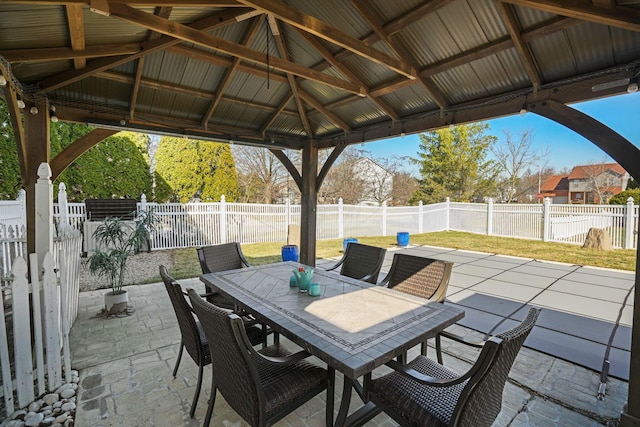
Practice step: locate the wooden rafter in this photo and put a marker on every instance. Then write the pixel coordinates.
(320, 108)
(621, 17)
(319, 47)
(61, 53)
(511, 22)
(276, 113)
(224, 83)
(376, 23)
(133, 98)
(225, 62)
(75, 22)
(293, 85)
(331, 34)
(192, 35)
(217, 20)
(197, 93)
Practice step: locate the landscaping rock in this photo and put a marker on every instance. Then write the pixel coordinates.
(597, 238)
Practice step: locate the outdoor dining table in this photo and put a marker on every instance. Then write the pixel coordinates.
(352, 326)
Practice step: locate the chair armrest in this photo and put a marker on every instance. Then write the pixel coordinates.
(423, 379)
(462, 340)
(336, 265)
(282, 361)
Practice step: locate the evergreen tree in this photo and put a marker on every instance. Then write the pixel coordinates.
(10, 182)
(196, 169)
(453, 164)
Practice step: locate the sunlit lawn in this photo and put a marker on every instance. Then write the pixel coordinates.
(186, 262)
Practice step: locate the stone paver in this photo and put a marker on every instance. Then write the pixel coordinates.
(125, 369)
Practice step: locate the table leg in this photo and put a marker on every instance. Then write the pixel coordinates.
(331, 393)
(345, 402)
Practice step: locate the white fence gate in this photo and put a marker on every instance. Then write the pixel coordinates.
(39, 330)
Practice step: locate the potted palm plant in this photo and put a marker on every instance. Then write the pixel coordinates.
(116, 241)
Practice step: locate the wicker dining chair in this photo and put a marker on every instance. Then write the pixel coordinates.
(192, 335)
(361, 262)
(424, 392)
(261, 386)
(216, 258)
(223, 257)
(420, 276)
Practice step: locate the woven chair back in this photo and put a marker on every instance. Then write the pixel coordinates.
(420, 276)
(232, 374)
(186, 321)
(481, 400)
(363, 260)
(222, 257)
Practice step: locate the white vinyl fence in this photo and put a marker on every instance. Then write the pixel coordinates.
(34, 345)
(197, 224)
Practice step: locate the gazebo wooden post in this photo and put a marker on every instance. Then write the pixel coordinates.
(309, 200)
(37, 149)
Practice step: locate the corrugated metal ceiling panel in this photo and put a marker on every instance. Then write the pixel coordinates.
(26, 26)
(409, 100)
(551, 54)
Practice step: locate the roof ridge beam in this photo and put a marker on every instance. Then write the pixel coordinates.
(189, 34)
(296, 18)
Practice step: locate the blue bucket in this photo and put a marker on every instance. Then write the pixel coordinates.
(290, 253)
(403, 238)
(345, 242)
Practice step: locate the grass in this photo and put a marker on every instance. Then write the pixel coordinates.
(186, 261)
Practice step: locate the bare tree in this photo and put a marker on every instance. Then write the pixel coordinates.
(513, 157)
(261, 176)
(342, 181)
(404, 187)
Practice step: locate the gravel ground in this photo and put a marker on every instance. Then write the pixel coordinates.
(140, 267)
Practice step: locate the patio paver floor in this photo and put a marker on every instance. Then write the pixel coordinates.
(125, 368)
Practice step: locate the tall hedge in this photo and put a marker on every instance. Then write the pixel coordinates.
(196, 169)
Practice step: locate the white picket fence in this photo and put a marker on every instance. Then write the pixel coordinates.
(39, 313)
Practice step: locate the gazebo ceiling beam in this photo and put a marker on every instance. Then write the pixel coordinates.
(328, 56)
(75, 23)
(62, 53)
(231, 71)
(331, 34)
(623, 17)
(217, 20)
(376, 23)
(511, 22)
(189, 34)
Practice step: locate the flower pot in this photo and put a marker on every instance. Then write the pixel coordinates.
(403, 238)
(116, 302)
(290, 253)
(346, 242)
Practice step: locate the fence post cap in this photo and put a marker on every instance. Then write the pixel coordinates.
(44, 171)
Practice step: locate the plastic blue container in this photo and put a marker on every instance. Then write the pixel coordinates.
(290, 253)
(403, 238)
(345, 242)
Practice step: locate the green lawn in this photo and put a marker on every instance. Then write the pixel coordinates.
(186, 262)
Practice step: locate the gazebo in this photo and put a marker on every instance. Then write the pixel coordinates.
(311, 75)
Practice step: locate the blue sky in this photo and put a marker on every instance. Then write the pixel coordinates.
(567, 149)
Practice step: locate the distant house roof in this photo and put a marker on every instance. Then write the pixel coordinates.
(584, 171)
(555, 183)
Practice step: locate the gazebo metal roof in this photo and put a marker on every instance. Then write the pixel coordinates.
(279, 74)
